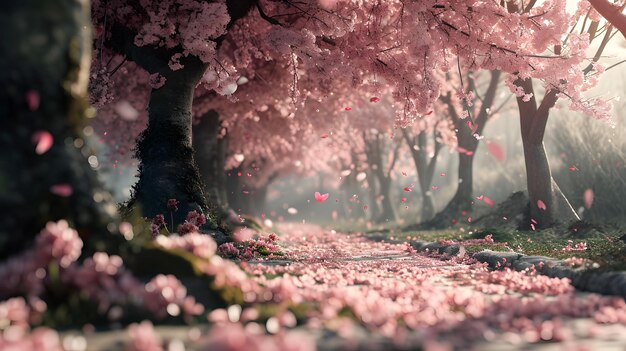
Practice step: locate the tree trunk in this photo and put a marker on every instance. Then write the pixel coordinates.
(210, 160)
(545, 210)
(538, 178)
(233, 189)
(46, 50)
(259, 200)
(462, 199)
(425, 169)
(373, 208)
(388, 212)
(167, 167)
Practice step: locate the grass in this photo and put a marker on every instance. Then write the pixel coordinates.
(603, 244)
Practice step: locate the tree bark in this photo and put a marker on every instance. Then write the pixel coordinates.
(425, 169)
(167, 167)
(234, 190)
(388, 211)
(612, 13)
(46, 52)
(211, 159)
(542, 193)
(462, 201)
(167, 163)
(374, 209)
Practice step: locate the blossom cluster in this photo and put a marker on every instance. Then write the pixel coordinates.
(102, 278)
(264, 246)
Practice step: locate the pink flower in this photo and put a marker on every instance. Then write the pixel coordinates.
(228, 249)
(172, 205)
(159, 220)
(143, 338)
(187, 228)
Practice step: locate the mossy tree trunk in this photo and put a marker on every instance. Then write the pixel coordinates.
(168, 168)
(45, 52)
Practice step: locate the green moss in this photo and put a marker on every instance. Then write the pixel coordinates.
(603, 244)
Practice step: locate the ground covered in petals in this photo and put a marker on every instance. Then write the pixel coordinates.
(306, 288)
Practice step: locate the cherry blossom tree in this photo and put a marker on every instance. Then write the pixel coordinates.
(425, 139)
(612, 12)
(44, 171)
(175, 42)
(547, 203)
(468, 110)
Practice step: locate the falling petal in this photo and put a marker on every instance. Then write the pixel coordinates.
(32, 100)
(361, 177)
(348, 108)
(434, 187)
(375, 99)
(489, 202)
(480, 198)
(541, 205)
(495, 150)
(407, 189)
(292, 211)
(43, 141)
(324, 136)
(62, 190)
(321, 197)
(588, 198)
(126, 110)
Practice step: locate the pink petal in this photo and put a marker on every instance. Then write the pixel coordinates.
(495, 150)
(126, 110)
(541, 205)
(588, 198)
(62, 190)
(32, 99)
(489, 202)
(480, 198)
(434, 187)
(407, 189)
(348, 108)
(375, 99)
(43, 139)
(324, 136)
(321, 197)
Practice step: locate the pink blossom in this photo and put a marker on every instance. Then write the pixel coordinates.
(143, 338)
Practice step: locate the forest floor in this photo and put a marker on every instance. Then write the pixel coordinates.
(362, 292)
